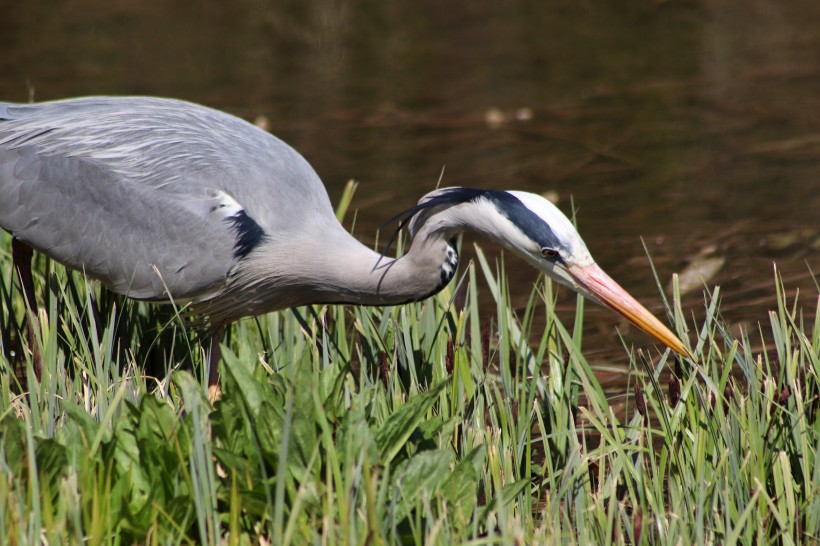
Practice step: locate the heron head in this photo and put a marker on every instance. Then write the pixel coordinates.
(541, 234)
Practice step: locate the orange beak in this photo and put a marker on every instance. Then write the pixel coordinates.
(606, 291)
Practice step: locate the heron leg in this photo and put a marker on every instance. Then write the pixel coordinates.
(21, 255)
(214, 356)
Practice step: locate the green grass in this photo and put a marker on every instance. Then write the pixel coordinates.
(428, 423)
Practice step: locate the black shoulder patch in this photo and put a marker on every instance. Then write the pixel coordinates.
(248, 233)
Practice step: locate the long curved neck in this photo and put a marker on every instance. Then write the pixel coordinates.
(327, 265)
(349, 272)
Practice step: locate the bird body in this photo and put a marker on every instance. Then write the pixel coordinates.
(162, 200)
(153, 197)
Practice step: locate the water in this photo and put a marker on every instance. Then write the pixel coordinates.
(692, 125)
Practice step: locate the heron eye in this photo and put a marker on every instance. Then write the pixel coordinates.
(549, 252)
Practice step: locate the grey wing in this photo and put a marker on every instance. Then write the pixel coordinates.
(141, 193)
(143, 245)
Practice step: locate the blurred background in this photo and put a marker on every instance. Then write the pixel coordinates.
(694, 125)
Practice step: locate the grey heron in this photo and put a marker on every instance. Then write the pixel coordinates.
(161, 198)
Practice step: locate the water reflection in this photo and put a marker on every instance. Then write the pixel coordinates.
(695, 126)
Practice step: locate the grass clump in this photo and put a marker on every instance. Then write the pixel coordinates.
(428, 423)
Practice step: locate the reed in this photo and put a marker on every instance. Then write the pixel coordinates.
(429, 423)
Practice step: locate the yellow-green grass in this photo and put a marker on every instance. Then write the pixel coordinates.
(429, 423)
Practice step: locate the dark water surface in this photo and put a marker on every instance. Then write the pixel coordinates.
(695, 125)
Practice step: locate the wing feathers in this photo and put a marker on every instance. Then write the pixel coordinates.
(116, 204)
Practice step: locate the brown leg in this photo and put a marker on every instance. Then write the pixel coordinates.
(21, 255)
(214, 356)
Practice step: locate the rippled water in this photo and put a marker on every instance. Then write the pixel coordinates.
(693, 125)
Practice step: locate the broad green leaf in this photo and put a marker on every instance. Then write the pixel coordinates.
(88, 425)
(420, 476)
(13, 443)
(355, 438)
(461, 487)
(398, 427)
(52, 464)
(242, 378)
(431, 428)
(128, 469)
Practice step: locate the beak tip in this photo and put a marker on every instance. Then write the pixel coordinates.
(611, 295)
(684, 352)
